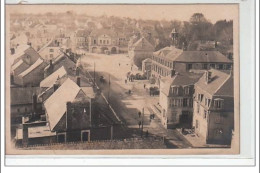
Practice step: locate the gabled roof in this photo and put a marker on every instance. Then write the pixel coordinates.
(221, 83)
(18, 64)
(20, 51)
(23, 95)
(179, 79)
(142, 44)
(51, 43)
(32, 67)
(51, 79)
(56, 104)
(170, 53)
(202, 56)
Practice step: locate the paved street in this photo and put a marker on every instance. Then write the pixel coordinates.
(127, 106)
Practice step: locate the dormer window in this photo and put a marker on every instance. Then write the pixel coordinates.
(186, 90)
(175, 90)
(218, 103)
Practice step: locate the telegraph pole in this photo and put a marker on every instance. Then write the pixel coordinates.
(94, 74)
(142, 123)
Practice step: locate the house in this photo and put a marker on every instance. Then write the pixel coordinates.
(163, 61)
(176, 99)
(23, 103)
(22, 59)
(50, 50)
(80, 38)
(213, 107)
(140, 50)
(201, 61)
(103, 41)
(147, 67)
(19, 39)
(69, 113)
(33, 75)
(61, 60)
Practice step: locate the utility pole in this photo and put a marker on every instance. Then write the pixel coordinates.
(94, 73)
(142, 123)
(108, 89)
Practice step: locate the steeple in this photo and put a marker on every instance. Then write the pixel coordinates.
(174, 37)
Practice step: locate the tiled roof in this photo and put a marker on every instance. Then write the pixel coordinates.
(23, 95)
(51, 79)
(32, 67)
(221, 83)
(202, 56)
(179, 79)
(56, 104)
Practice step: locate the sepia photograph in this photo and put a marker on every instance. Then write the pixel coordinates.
(122, 79)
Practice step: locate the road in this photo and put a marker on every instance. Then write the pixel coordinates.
(114, 69)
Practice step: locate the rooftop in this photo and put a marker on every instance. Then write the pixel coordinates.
(32, 67)
(220, 84)
(51, 79)
(170, 53)
(23, 95)
(202, 56)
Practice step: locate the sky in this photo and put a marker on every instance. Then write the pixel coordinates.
(156, 12)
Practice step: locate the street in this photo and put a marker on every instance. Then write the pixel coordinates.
(126, 106)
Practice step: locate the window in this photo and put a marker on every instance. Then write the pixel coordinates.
(205, 114)
(189, 66)
(207, 102)
(18, 110)
(175, 90)
(198, 108)
(51, 55)
(186, 90)
(218, 103)
(212, 65)
(205, 66)
(197, 124)
(51, 50)
(228, 66)
(95, 42)
(107, 41)
(100, 41)
(174, 116)
(220, 67)
(104, 41)
(200, 97)
(185, 102)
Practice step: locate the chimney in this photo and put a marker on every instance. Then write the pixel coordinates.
(12, 79)
(12, 51)
(68, 116)
(78, 81)
(172, 73)
(25, 135)
(208, 76)
(77, 71)
(55, 87)
(34, 105)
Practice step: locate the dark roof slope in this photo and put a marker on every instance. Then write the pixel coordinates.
(202, 56)
(23, 95)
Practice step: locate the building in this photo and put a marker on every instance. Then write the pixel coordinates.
(201, 61)
(70, 116)
(140, 50)
(50, 50)
(23, 104)
(80, 38)
(163, 61)
(213, 107)
(176, 99)
(33, 75)
(19, 39)
(147, 67)
(103, 41)
(62, 60)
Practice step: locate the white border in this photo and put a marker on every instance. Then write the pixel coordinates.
(247, 86)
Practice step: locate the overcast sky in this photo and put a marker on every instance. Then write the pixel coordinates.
(156, 12)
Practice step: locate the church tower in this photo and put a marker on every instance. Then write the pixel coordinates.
(174, 37)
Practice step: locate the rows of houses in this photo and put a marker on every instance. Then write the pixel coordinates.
(196, 91)
(52, 100)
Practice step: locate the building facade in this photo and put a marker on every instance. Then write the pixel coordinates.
(213, 107)
(176, 99)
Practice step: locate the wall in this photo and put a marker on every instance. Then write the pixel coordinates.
(46, 54)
